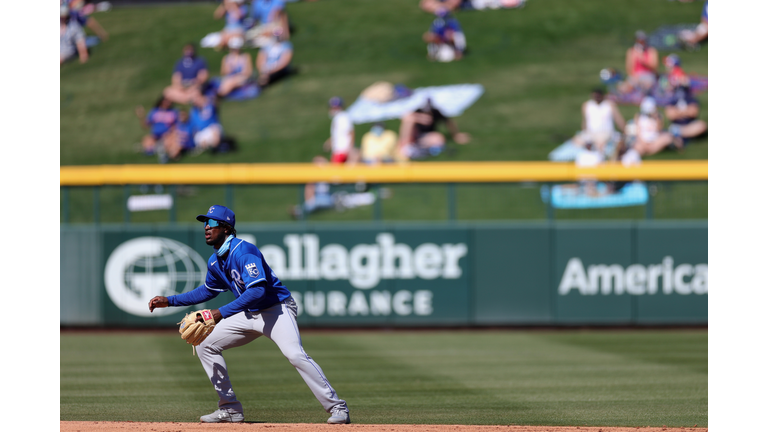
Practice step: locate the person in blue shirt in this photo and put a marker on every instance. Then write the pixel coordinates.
(160, 121)
(236, 68)
(262, 306)
(274, 59)
(204, 120)
(72, 42)
(267, 15)
(190, 74)
(82, 13)
(235, 13)
(445, 38)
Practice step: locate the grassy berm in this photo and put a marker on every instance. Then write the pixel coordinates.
(537, 65)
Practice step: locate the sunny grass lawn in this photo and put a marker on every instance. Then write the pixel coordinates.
(537, 64)
(629, 378)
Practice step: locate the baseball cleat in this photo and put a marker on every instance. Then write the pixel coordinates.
(223, 415)
(339, 415)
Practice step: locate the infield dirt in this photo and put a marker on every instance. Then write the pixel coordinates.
(78, 426)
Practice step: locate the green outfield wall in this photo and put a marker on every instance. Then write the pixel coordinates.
(432, 274)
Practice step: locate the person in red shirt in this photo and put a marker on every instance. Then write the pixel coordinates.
(642, 63)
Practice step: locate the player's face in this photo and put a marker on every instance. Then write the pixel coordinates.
(214, 236)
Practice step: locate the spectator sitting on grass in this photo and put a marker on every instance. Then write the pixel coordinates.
(599, 119)
(682, 112)
(160, 121)
(675, 74)
(378, 145)
(204, 118)
(445, 38)
(649, 138)
(236, 67)
(71, 38)
(83, 14)
(642, 63)
(419, 136)
(267, 16)
(274, 60)
(234, 13)
(189, 76)
(693, 38)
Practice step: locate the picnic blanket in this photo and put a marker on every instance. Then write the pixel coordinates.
(632, 194)
(451, 100)
(567, 151)
(662, 92)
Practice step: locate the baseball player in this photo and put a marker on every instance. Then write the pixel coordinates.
(262, 306)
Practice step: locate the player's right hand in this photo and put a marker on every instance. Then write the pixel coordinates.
(158, 302)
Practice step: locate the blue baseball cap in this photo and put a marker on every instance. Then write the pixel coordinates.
(219, 213)
(336, 102)
(672, 60)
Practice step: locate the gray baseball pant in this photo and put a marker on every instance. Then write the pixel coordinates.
(278, 323)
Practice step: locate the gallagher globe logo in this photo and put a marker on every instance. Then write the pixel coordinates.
(144, 267)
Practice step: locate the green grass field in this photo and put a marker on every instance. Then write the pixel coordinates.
(498, 377)
(537, 64)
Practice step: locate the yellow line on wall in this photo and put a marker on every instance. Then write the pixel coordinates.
(414, 172)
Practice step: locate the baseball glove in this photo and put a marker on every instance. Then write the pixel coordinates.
(194, 331)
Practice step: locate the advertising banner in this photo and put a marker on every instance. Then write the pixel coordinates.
(390, 275)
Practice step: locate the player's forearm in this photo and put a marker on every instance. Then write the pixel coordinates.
(196, 296)
(242, 303)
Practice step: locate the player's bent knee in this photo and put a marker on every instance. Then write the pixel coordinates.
(296, 358)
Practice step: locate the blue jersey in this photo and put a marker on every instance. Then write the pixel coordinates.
(189, 67)
(275, 53)
(161, 120)
(201, 118)
(245, 273)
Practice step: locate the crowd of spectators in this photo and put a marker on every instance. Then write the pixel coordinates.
(185, 118)
(668, 115)
(195, 127)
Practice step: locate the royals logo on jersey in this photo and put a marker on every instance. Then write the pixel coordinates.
(252, 269)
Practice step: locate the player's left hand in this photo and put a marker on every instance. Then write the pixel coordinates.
(193, 329)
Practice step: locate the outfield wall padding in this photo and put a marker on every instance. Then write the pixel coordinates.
(407, 274)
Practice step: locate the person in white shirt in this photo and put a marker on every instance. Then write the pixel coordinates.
(341, 144)
(600, 118)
